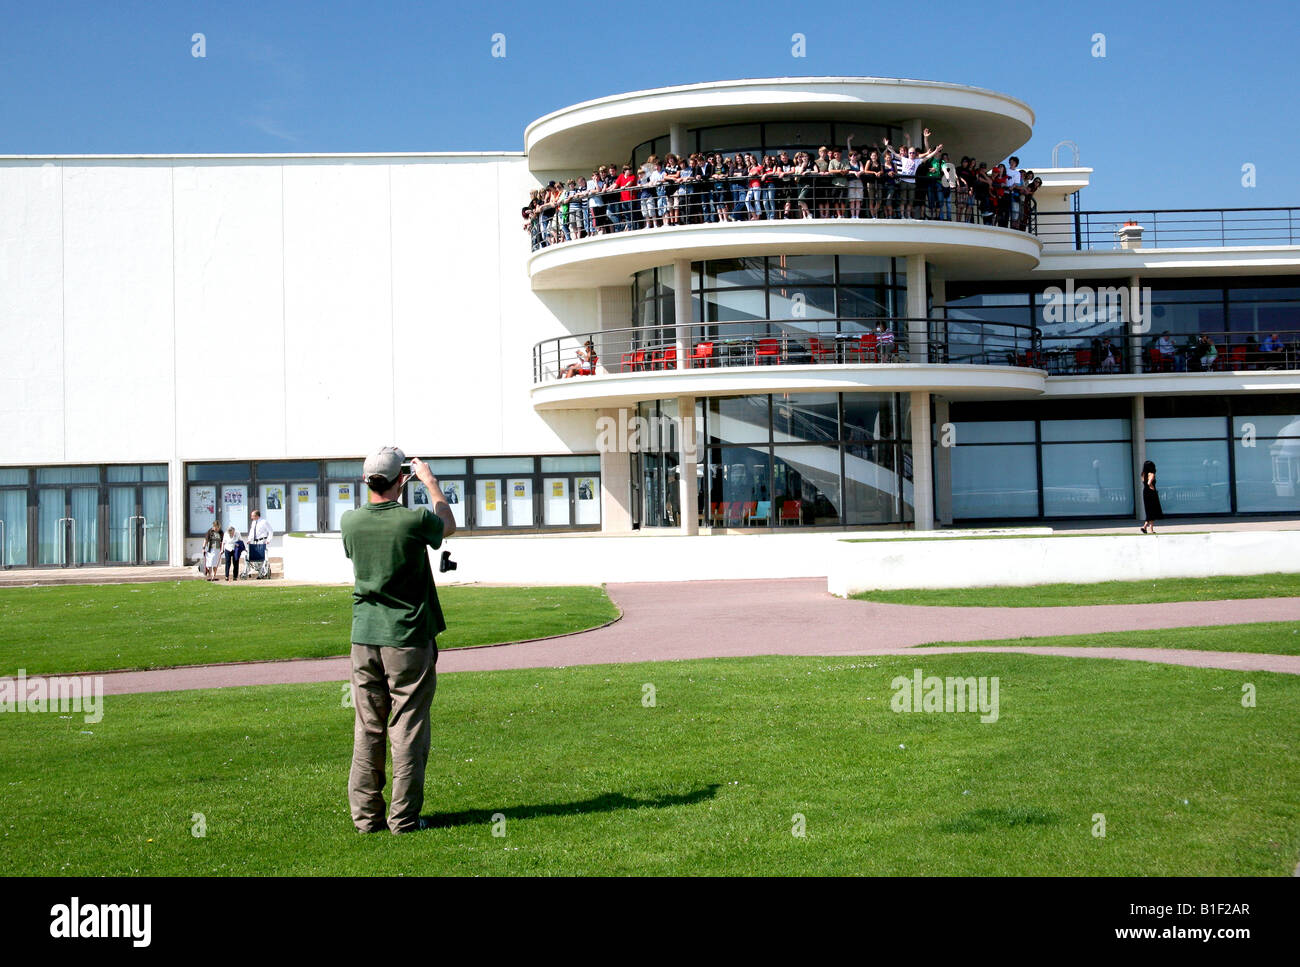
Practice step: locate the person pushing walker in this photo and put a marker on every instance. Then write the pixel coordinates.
(396, 620)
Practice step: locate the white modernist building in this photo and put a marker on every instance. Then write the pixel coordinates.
(189, 338)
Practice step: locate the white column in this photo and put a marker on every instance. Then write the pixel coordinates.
(942, 464)
(178, 510)
(615, 485)
(922, 463)
(917, 335)
(688, 459)
(915, 127)
(1139, 427)
(682, 309)
(677, 139)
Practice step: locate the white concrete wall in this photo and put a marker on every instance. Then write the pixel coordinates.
(1021, 562)
(593, 559)
(137, 295)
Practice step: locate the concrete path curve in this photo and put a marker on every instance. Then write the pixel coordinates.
(721, 619)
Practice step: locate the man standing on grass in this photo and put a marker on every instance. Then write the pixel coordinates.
(396, 619)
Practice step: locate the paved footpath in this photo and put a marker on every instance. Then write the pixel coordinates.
(722, 619)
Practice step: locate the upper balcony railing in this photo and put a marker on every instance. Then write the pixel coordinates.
(1170, 228)
(936, 341)
(732, 199)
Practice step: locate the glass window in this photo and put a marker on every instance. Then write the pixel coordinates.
(726, 273)
(865, 269)
(586, 500)
(555, 501)
(1265, 294)
(795, 136)
(13, 540)
(994, 481)
(234, 507)
(1266, 317)
(1070, 430)
(810, 476)
(1270, 426)
(735, 305)
(520, 490)
(12, 477)
(351, 469)
(272, 500)
(454, 491)
(203, 508)
(1191, 475)
(288, 469)
(155, 472)
(67, 475)
(1182, 428)
(557, 464)
(1268, 474)
(738, 419)
(738, 478)
(343, 497)
(217, 471)
(129, 474)
(487, 494)
(869, 417)
(503, 465)
(303, 501)
(730, 137)
(863, 302)
(1000, 431)
(811, 417)
(441, 465)
(1087, 479)
(871, 483)
(803, 302)
(797, 270)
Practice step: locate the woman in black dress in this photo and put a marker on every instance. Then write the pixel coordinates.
(1150, 498)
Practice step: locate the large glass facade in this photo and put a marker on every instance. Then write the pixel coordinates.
(786, 460)
(485, 493)
(73, 516)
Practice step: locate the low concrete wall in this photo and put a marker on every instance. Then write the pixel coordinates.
(1019, 562)
(596, 559)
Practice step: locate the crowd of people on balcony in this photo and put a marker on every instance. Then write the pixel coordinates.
(880, 181)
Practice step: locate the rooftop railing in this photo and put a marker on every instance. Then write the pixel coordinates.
(874, 340)
(1170, 228)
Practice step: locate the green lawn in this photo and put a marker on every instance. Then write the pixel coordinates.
(708, 781)
(101, 627)
(1265, 638)
(1108, 592)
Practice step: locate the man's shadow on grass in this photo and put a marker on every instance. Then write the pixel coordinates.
(605, 803)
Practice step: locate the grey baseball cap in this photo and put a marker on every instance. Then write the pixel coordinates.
(386, 463)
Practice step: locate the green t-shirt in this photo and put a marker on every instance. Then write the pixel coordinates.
(394, 602)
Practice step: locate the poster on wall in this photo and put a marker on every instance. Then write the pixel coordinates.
(519, 489)
(203, 508)
(234, 507)
(490, 494)
(274, 498)
(421, 496)
(304, 495)
(586, 488)
(557, 488)
(344, 492)
(273, 507)
(451, 491)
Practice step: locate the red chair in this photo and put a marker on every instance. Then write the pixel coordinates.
(668, 358)
(634, 361)
(1082, 360)
(768, 349)
(703, 353)
(1236, 358)
(747, 510)
(790, 511)
(870, 348)
(819, 350)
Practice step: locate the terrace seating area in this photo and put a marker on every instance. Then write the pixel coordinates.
(755, 513)
(871, 347)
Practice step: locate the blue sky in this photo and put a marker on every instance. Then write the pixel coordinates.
(1186, 94)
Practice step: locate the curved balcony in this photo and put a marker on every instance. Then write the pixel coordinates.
(780, 356)
(960, 248)
(985, 123)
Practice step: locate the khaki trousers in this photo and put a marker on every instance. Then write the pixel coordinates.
(392, 689)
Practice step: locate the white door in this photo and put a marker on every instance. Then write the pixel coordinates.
(588, 503)
(342, 499)
(302, 498)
